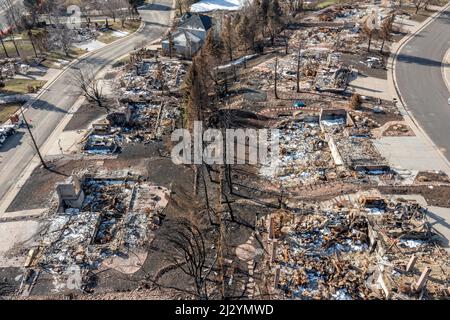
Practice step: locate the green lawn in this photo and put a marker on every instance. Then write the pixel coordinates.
(24, 46)
(26, 50)
(53, 57)
(20, 86)
(107, 37)
(130, 26)
(7, 110)
(325, 4)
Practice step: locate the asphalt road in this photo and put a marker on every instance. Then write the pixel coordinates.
(419, 78)
(46, 113)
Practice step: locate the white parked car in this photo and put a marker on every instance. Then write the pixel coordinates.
(2, 139)
(5, 132)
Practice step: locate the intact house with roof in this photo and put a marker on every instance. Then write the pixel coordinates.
(189, 36)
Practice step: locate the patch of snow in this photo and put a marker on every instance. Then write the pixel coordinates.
(374, 211)
(237, 62)
(411, 243)
(333, 122)
(90, 45)
(341, 294)
(119, 34)
(61, 62)
(211, 5)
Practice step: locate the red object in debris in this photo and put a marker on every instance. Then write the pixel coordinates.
(14, 119)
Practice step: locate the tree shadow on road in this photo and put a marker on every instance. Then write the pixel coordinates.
(44, 105)
(406, 58)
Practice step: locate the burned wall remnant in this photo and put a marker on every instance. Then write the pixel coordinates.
(117, 215)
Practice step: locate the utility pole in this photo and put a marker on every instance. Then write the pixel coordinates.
(299, 58)
(276, 75)
(33, 140)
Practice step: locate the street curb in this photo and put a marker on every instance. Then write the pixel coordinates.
(172, 18)
(446, 69)
(30, 102)
(12, 192)
(393, 62)
(101, 72)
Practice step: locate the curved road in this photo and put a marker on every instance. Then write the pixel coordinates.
(48, 111)
(420, 80)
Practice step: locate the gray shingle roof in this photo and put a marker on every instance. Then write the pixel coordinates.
(196, 21)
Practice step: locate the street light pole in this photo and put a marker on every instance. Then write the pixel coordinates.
(33, 140)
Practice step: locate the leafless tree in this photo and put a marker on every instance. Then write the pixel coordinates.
(247, 26)
(12, 13)
(122, 11)
(41, 41)
(275, 20)
(227, 36)
(292, 6)
(425, 5)
(420, 4)
(59, 33)
(386, 30)
(276, 79)
(186, 249)
(3, 44)
(89, 86)
(63, 37)
(33, 9)
(299, 61)
(26, 23)
(369, 31)
(116, 9)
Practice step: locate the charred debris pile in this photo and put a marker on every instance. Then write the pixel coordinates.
(357, 247)
(97, 218)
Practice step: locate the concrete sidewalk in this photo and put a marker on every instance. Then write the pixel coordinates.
(372, 87)
(417, 152)
(410, 153)
(446, 69)
(413, 153)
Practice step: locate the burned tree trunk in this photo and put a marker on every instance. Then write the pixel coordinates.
(90, 87)
(276, 77)
(4, 48)
(299, 56)
(186, 249)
